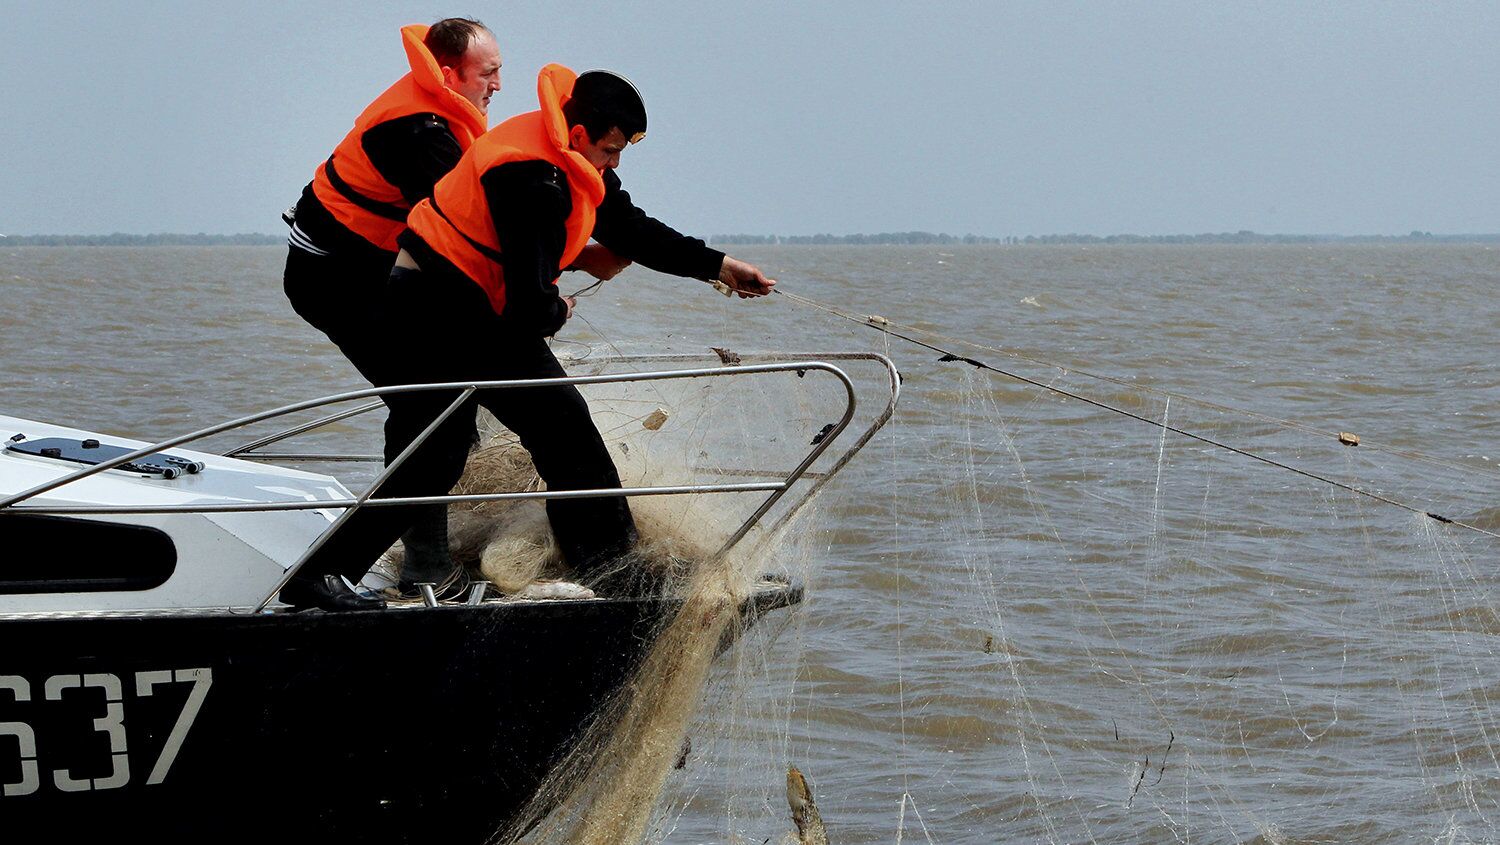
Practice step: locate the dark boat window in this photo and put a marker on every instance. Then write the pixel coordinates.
(52, 554)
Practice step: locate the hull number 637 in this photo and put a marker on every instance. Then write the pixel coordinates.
(110, 723)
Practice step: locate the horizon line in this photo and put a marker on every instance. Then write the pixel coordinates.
(914, 237)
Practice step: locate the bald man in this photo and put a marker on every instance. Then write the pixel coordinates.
(343, 231)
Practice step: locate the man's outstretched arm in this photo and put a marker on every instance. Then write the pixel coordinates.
(635, 235)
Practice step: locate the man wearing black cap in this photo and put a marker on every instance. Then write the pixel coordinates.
(474, 292)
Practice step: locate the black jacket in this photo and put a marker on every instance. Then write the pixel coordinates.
(412, 153)
(529, 203)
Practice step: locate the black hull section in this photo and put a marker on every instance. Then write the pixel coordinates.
(413, 725)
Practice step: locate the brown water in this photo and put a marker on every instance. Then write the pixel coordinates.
(1028, 619)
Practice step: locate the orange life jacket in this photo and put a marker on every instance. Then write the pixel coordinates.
(456, 221)
(350, 187)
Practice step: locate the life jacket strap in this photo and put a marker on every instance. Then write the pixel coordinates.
(387, 210)
(487, 251)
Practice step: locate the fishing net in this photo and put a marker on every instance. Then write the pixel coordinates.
(1156, 640)
(1117, 612)
(753, 428)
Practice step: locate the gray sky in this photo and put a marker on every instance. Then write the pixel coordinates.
(994, 118)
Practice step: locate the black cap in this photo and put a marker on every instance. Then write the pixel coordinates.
(603, 100)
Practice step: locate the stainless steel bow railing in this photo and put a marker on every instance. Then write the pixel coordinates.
(776, 489)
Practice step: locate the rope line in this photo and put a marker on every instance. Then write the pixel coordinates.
(590, 290)
(1364, 444)
(888, 327)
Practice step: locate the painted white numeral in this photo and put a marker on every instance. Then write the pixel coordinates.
(30, 779)
(111, 723)
(202, 679)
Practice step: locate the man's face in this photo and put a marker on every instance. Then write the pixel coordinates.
(604, 153)
(477, 76)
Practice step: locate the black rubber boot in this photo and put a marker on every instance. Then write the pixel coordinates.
(426, 542)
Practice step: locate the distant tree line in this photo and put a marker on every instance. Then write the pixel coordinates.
(1240, 237)
(122, 239)
(918, 238)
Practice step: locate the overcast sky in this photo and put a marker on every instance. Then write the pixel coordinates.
(992, 118)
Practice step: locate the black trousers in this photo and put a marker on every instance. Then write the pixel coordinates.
(342, 297)
(439, 328)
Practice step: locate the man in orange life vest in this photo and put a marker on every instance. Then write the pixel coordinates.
(343, 230)
(474, 294)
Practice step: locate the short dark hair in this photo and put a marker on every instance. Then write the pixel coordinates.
(448, 39)
(602, 101)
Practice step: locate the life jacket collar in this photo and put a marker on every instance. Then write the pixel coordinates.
(554, 87)
(428, 74)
